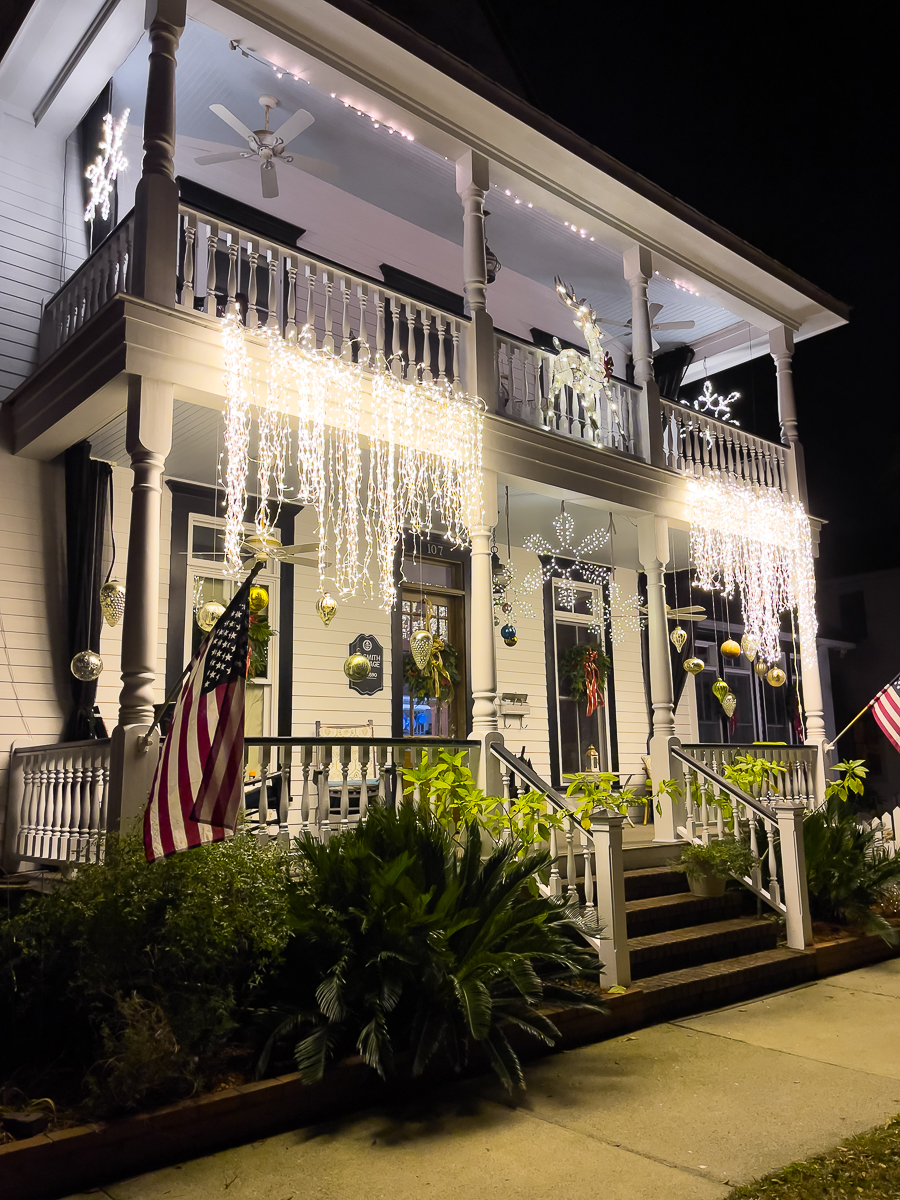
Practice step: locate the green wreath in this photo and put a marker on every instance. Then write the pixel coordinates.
(572, 661)
(438, 679)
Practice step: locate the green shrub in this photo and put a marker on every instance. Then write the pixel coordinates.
(405, 947)
(721, 858)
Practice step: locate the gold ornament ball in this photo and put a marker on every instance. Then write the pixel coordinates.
(678, 637)
(258, 599)
(86, 665)
(761, 668)
(421, 644)
(776, 677)
(209, 614)
(511, 641)
(326, 607)
(731, 649)
(112, 602)
(357, 668)
(729, 703)
(720, 690)
(693, 666)
(749, 645)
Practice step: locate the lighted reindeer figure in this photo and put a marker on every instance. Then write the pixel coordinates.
(585, 374)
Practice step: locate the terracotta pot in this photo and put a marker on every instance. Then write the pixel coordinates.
(707, 884)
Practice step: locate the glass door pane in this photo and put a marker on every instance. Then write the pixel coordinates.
(577, 730)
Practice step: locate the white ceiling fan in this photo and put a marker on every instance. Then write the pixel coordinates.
(655, 310)
(264, 546)
(269, 145)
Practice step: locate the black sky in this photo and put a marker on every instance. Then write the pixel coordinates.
(774, 121)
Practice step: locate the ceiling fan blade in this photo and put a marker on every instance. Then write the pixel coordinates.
(207, 160)
(305, 549)
(269, 181)
(298, 562)
(654, 344)
(675, 325)
(610, 321)
(294, 126)
(655, 310)
(230, 119)
(320, 167)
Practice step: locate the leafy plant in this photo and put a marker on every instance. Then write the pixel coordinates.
(721, 858)
(259, 631)
(572, 663)
(599, 790)
(847, 872)
(751, 773)
(406, 948)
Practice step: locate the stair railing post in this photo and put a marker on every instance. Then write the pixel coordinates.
(606, 831)
(789, 814)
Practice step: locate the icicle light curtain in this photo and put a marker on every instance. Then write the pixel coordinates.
(756, 542)
(312, 411)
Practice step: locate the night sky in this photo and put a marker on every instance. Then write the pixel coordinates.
(770, 120)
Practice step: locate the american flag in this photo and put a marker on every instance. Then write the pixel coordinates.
(197, 789)
(886, 711)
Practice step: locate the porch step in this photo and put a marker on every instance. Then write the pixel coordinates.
(696, 945)
(658, 914)
(640, 856)
(693, 989)
(653, 881)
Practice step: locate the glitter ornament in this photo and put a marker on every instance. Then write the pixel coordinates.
(720, 690)
(326, 607)
(731, 649)
(749, 646)
(678, 638)
(421, 645)
(209, 614)
(693, 666)
(86, 666)
(776, 677)
(729, 704)
(761, 668)
(258, 599)
(357, 668)
(112, 602)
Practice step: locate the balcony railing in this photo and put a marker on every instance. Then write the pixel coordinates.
(797, 780)
(523, 392)
(698, 444)
(56, 810)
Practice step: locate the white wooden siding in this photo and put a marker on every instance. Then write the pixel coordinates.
(632, 725)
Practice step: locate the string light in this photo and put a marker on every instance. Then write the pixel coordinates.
(105, 168)
(711, 404)
(313, 411)
(757, 542)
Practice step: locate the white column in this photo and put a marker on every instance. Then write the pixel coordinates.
(472, 184)
(156, 195)
(638, 267)
(781, 347)
(653, 548)
(148, 438)
(485, 724)
(606, 831)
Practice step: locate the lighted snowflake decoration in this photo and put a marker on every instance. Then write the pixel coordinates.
(105, 168)
(711, 404)
(574, 561)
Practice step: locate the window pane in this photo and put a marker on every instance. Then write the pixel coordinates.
(207, 542)
(431, 574)
(583, 597)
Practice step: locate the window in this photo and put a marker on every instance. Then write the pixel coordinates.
(764, 713)
(577, 731)
(433, 595)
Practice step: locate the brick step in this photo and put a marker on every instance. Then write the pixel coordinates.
(654, 881)
(657, 914)
(697, 945)
(694, 989)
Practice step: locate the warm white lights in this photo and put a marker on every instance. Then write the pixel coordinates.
(106, 166)
(711, 404)
(754, 541)
(313, 410)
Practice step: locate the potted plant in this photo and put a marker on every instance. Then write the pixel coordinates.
(708, 867)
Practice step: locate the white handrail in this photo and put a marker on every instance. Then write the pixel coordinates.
(700, 445)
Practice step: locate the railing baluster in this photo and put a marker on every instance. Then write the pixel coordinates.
(346, 347)
(252, 320)
(411, 365)
(234, 249)
(272, 300)
(290, 324)
(311, 306)
(328, 338)
(363, 351)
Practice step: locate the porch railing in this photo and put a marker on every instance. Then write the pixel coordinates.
(57, 802)
(226, 269)
(796, 782)
(698, 445)
(98, 279)
(715, 809)
(523, 392)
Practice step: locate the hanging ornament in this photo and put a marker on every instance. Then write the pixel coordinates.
(209, 614)
(720, 689)
(511, 641)
(729, 703)
(749, 646)
(693, 666)
(112, 601)
(678, 638)
(421, 645)
(86, 665)
(506, 607)
(326, 607)
(761, 668)
(357, 668)
(258, 599)
(508, 631)
(731, 649)
(776, 677)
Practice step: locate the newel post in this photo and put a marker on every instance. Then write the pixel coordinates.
(606, 831)
(790, 814)
(156, 196)
(638, 266)
(472, 184)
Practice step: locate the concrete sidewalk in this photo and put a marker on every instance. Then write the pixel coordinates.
(680, 1110)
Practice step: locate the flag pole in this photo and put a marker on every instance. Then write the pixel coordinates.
(862, 712)
(144, 742)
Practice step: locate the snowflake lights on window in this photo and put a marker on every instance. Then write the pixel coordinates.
(573, 562)
(711, 404)
(105, 168)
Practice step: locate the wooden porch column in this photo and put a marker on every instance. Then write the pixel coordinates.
(653, 548)
(638, 269)
(148, 439)
(472, 183)
(156, 196)
(485, 724)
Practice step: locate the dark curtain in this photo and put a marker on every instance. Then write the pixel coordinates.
(87, 496)
(670, 368)
(90, 133)
(678, 595)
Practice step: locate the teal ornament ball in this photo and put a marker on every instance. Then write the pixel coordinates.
(507, 632)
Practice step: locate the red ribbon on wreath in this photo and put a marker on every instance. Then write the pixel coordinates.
(592, 682)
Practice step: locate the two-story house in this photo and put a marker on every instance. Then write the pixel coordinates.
(325, 277)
